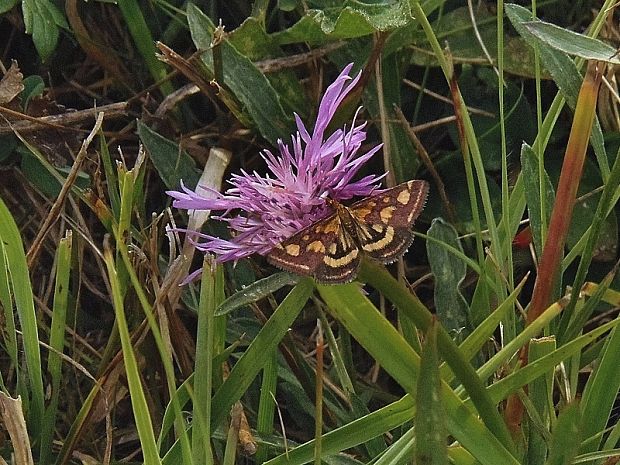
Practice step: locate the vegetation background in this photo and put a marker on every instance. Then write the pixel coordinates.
(106, 359)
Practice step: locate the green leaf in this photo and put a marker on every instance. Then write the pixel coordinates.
(40, 176)
(246, 82)
(57, 342)
(251, 40)
(566, 437)
(171, 162)
(404, 160)
(6, 5)
(600, 392)
(352, 19)
(377, 335)
(540, 392)
(584, 213)
(430, 420)
(564, 73)
(449, 271)
(479, 87)
(260, 350)
(42, 19)
(256, 291)
(529, 163)
(455, 29)
(12, 247)
(33, 87)
(573, 43)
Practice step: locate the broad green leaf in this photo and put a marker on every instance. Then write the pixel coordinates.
(33, 87)
(529, 163)
(171, 162)
(352, 19)
(449, 271)
(8, 143)
(251, 40)
(256, 291)
(42, 19)
(573, 43)
(6, 5)
(564, 73)
(246, 82)
(455, 29)
(40, 176)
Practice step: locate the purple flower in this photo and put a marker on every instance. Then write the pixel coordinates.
(262, 211)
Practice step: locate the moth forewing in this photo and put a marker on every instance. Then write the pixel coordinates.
(323, 250)
(331, 249)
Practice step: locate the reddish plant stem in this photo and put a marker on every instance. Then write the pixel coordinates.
(553, 251)
(548, 268)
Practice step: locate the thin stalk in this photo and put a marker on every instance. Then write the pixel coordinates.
(318, 406)
(505, 246)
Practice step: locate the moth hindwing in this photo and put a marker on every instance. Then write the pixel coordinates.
(331, 249)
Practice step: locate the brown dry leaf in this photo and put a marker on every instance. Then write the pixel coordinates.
(13, 419)
(12, 84)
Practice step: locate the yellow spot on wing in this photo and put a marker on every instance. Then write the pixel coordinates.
(292, 249)
(316, 246)
(386, 213)
(403, 197)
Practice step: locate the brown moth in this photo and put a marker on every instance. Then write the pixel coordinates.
(330, 250)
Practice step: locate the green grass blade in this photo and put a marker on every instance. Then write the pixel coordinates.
(393, 353)
(143, 39)
(203, 372)
(430, 422)
(449, 271)
(259, 351)
(6, 299)
(540, 392)
(601, 389)
(57, 342)
(139, 404)
(267, 405)
(566, 437)
(377, 276)
(511, 383)
(23, 297)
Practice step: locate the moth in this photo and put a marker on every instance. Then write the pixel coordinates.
(331, 249)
